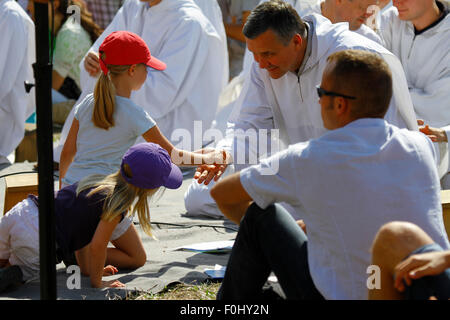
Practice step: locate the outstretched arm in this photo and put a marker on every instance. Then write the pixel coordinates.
(183, 157)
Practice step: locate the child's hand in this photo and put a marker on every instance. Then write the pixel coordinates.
(205, 173)
(109, 270)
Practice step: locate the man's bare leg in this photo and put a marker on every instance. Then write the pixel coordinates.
(393, 243)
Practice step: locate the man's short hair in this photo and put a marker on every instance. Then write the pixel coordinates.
(366, 76)
(278, 16)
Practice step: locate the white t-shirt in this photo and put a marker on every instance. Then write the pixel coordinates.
(349, 182)
(100, 151)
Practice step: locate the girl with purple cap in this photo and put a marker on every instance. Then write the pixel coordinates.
(86, 214)
(108, 122)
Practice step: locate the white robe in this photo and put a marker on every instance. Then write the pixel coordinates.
(176, 32)
(426, 61)
(17, 54)
(290, 104)
(212, 11)
(303, 8)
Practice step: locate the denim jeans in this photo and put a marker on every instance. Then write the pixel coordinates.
(268, 240)
(423, 288)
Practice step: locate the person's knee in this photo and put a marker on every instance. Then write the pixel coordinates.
(263, 219)
(255, 213)
(398, 238)
(138, 259)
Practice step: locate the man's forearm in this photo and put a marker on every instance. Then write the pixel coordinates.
(235, 212)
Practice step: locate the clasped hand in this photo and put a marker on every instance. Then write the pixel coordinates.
(214, 167)
(435, 134)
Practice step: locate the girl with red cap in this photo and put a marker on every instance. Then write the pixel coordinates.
(108, 122)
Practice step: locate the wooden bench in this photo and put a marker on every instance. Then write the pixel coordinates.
(445, 199)
(18, 187)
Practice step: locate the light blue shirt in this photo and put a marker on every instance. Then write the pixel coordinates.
(100, 151)
(347, 184)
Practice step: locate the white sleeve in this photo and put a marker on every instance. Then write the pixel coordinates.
(251, 113)
(385, 30)
(13, 41)
(401, 110)
(274, 179)
(434, 99)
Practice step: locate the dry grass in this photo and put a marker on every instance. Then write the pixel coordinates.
(205, 291)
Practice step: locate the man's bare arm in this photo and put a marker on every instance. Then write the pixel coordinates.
(231, 197)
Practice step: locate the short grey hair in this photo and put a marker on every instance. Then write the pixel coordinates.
(278, 16)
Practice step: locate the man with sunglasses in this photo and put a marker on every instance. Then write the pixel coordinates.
(290, 54)
(349, 182)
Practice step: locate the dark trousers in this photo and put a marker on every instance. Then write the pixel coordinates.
(268, 240)
(437, 286)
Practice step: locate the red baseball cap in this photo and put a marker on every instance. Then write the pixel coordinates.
(126, 48)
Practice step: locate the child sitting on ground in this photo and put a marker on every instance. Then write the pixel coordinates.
(86, 214)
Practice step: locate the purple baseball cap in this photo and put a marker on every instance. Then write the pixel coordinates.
(151, 167)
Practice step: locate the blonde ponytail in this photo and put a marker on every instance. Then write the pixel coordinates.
(105, 97)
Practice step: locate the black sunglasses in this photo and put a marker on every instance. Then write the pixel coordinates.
(322, 92)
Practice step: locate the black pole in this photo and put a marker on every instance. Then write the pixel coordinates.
(44, 128)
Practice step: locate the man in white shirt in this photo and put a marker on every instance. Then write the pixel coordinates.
(350, 182)
(418, 33)
(280, 91)
(177, 32)
(17, 54)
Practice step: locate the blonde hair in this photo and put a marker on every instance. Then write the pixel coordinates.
(105, 96)
(119, 197)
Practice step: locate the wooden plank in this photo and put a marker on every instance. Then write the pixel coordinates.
(18, 187)
(445, 200)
